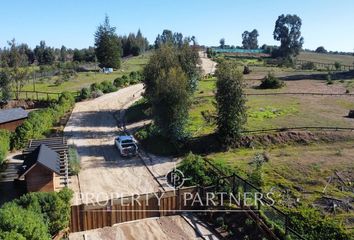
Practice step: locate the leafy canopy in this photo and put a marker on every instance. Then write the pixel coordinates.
(230, 103)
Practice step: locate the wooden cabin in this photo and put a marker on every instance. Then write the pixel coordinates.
(10, 119)
(45, 165)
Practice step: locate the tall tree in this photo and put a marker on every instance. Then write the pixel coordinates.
(63, 54)
(222, 43)
(288, 32)
(44, 54)
(17, 72)
(230, 103)
(250, 39)
(107, 45)
(321, 49)
(165, 38)
(166, 89)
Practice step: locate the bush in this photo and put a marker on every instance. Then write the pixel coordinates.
(271, 82)
(4, 144)
(199, 172)
(337, 65)
(96, 93)
(74, 161)
(95, 87)
(107, 87)
(19, 223)
(246, 70)
(308, 66)
(85, 93)
(312, 225)
(329, 79)
(53, 207)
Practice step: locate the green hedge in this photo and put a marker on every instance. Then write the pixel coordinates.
(36, 215)
(313, 225)
(40, 122)
(97, 89)
(4, 144)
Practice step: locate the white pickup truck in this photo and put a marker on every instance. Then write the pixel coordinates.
(126, 145)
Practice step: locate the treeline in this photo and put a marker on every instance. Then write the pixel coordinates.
(287, 31)
(132, 44)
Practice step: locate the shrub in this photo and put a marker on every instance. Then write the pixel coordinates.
(329, 78)
(74, 161)
(199, 172)
(96, 93)
(118, 82)
(312, 225)
(337, 65)
(246, 70)
(85, 93)
(308, 66)
(19, 223)
(12, 235)
(270, 81)
(54, 208)
(107, 87)
(4, 144)
(95, 87)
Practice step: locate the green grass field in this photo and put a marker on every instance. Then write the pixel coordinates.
(277, 111)
(86, 79)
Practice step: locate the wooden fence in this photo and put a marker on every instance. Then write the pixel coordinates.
(91, 216)
(39, 95)
(329, 66)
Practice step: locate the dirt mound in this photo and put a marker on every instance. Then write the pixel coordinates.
(299, 137)
(210, 143)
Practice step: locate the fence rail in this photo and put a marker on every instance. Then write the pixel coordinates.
(284, 129)
(330, 66)
(309, 93)
(38, 95)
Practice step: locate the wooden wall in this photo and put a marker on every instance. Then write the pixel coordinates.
(91, 216)
(40, 179)
(11, 126)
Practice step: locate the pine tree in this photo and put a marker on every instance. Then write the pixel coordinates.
(107, 45)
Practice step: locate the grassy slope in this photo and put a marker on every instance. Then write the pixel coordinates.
(85, 79)
(304, 167)
(275, 111)
(326, 58)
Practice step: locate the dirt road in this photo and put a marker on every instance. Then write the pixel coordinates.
(208, 66)
(92, 128)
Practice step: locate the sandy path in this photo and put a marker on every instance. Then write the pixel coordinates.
(92, 128)
(165, 228)
(208, 66)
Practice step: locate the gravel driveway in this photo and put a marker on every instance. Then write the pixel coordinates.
(92, 128)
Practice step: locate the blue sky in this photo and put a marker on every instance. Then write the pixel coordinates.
(73, 22)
